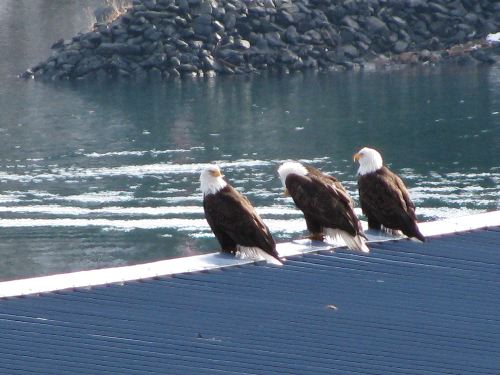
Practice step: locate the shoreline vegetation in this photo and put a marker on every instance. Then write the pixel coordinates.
(161, 39)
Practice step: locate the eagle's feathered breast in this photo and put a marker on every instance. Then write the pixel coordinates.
(385, 201)
(323, 200)
(234, 221)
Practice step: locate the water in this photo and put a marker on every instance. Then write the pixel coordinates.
(97, 175)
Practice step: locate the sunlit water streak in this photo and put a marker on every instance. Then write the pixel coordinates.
(463, 193)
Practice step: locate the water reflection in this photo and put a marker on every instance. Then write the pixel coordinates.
(98, 174)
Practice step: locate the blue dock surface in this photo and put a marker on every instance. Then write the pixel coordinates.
(405, 308)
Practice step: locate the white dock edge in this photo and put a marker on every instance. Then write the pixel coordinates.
(204, 262)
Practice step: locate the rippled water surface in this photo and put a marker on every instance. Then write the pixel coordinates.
(103, 174)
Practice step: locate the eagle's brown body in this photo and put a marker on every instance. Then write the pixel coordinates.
(326, 205)
(386, 202)
(235, 222)
(323, 200)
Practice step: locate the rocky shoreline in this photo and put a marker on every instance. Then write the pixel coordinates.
(158, 39)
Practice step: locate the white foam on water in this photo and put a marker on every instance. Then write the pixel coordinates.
(189, 225)
(446, 212)
(139, 171)
(99, 197)
(116, 153)
(134, 153)
(9, 198)
(129, 224)
(112, 210)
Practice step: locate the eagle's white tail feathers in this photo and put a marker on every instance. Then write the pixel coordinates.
(353, 242)
(415, 239)
(392, 232)
(256, 253)
(398, 233)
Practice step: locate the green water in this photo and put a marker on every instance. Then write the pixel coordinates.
(103, 174)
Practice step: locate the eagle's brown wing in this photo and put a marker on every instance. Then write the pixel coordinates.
(234, 221)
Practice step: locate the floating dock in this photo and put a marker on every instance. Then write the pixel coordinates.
(405, 308)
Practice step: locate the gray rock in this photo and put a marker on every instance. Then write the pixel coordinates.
(187, 33)
(484, 56)
(104, 13)
(208, 62)
(136, 40)
(233, 36)
(399, 22)
(148, 48)
(230, 20)
(187, 68)
(149, 4)
(188, 58)
(291, 35)
(362, 47)
(350, 51)
(136, 29)
(152, 34)
(175, 62)
(269, 4)
(89, 64)
(164, 3)
(183, 6)
(94, 37)
(180, 21)
(288, 57)
(400, 46)
(437, 8)
(336, 57)
(257, 11)
(140, 74)
(218, 26)
(205, 19)
(350, 23)
(315, 36)
(180, 44)
(457, 9)
(420, 28)
(139, 20)
(416, 3)
(274, 39)
(471, 18)
(174, 73)
(375, 25)
(156, 60)
(196, 44)
(284, 18)
(119, 62)
(204, 8)
(194, 3)
(68, 57)
(241, 44)
(202, 25)
(210, 74)
(347, 34)
(58, 45)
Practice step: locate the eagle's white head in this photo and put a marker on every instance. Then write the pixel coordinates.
(291, 167)
(212, 180)
(369, 160)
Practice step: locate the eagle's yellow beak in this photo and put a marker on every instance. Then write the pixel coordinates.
(216, 174)
(286, 193)
(356, 156)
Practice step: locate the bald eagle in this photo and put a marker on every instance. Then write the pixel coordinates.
(327, 207)
(233, 220)
(383, 195)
